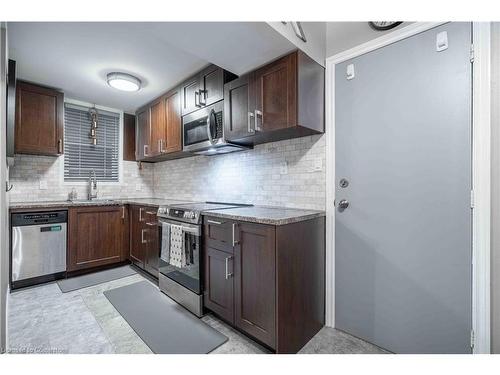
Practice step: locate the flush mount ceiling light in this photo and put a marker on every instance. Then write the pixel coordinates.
(123, 81)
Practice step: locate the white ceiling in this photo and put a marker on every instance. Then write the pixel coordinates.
(76, 57)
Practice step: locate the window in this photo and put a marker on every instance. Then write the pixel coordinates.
(81, 157)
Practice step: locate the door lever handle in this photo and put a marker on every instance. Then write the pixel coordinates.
(343, 204)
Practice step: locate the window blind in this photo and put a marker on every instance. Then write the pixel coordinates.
(80, 155)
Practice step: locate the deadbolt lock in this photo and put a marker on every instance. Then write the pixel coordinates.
(343, 183)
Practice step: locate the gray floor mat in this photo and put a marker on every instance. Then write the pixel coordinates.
(165, 326)
(79, 282)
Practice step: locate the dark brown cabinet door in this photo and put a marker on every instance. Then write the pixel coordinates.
(129, 137)
(143, 132)
(255, 281)
(218, 294)
(157, 128)
(275, 88)
(95, 236)
(211, 85)
(173, 122)
(39, 125)
(239, 109)
(137, 235)
(152, 245)
(190, 95)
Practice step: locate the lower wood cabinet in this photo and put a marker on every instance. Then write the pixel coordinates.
(270, 283)
(144, 238)
(97, 236)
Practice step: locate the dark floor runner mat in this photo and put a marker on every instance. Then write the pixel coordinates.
(165, 326)
(91, 279)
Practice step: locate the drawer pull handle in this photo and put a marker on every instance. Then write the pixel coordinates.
(214, 222)
(235, 242)
(228, 275)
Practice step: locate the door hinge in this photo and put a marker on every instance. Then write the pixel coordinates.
(472, 199)
(471, 53)
(472, 339)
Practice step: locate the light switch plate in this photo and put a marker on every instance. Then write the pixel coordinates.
(138, 187)
(350, 71)
(43, 185)
(441, 41)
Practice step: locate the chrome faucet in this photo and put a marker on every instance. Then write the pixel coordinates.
(92, 185)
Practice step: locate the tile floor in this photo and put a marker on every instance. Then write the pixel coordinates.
(42, 319)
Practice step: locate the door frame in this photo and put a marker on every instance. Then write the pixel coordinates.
(480, 197)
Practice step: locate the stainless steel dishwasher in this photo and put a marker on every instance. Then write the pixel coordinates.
(38, 247)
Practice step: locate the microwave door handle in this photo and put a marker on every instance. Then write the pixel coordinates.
(209, 122)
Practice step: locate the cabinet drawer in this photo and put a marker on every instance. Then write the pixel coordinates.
(219, 233)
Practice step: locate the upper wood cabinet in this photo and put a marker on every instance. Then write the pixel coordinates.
(96, 236)
(204, 88)
(173, 131)
(39, 128)
(157, 113)
(128, 137)
(281, 100)
(143, 134)
(159, 129)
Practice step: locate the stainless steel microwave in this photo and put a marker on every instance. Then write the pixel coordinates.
(203, 132)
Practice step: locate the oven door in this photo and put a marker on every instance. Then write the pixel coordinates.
(189, 275)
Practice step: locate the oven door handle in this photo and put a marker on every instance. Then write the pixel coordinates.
(187, 228)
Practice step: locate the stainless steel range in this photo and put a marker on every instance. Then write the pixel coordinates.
(181, 260)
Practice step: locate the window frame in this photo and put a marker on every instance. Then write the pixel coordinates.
(120, 146)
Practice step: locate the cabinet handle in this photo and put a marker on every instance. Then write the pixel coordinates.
(162, 146)
(228, 275)
(59, 146)
(257, 114)
(151, 224)
(159, 146)
(214, 222)
(142, 236)
(250, 116)
(123, 212)
(197, 99)
(234, 241)
(203, 93)
(146, 148)
(140, 214)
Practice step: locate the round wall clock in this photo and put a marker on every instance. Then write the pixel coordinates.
(384, 25)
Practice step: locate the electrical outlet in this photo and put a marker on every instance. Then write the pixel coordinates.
(138, 187)
(317, 165)
(284, 167)
(43, 185)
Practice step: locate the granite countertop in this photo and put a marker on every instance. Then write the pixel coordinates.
(266, 214)
(152, 202)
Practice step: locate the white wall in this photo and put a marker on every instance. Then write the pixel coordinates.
(341, 36)
(4, 280)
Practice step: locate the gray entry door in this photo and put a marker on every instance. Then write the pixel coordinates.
(403, 245)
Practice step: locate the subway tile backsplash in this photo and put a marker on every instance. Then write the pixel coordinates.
(288, 173)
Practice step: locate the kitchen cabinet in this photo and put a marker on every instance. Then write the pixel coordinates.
(254, 281)
(144, 238)
(97, 236)
(128, 137)
(204, 88)
(39, 120)
(281, 100)
(143, 134)
(218, 294)
(267, 281)
(157, 135)
(173, 124)
(159, 129)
